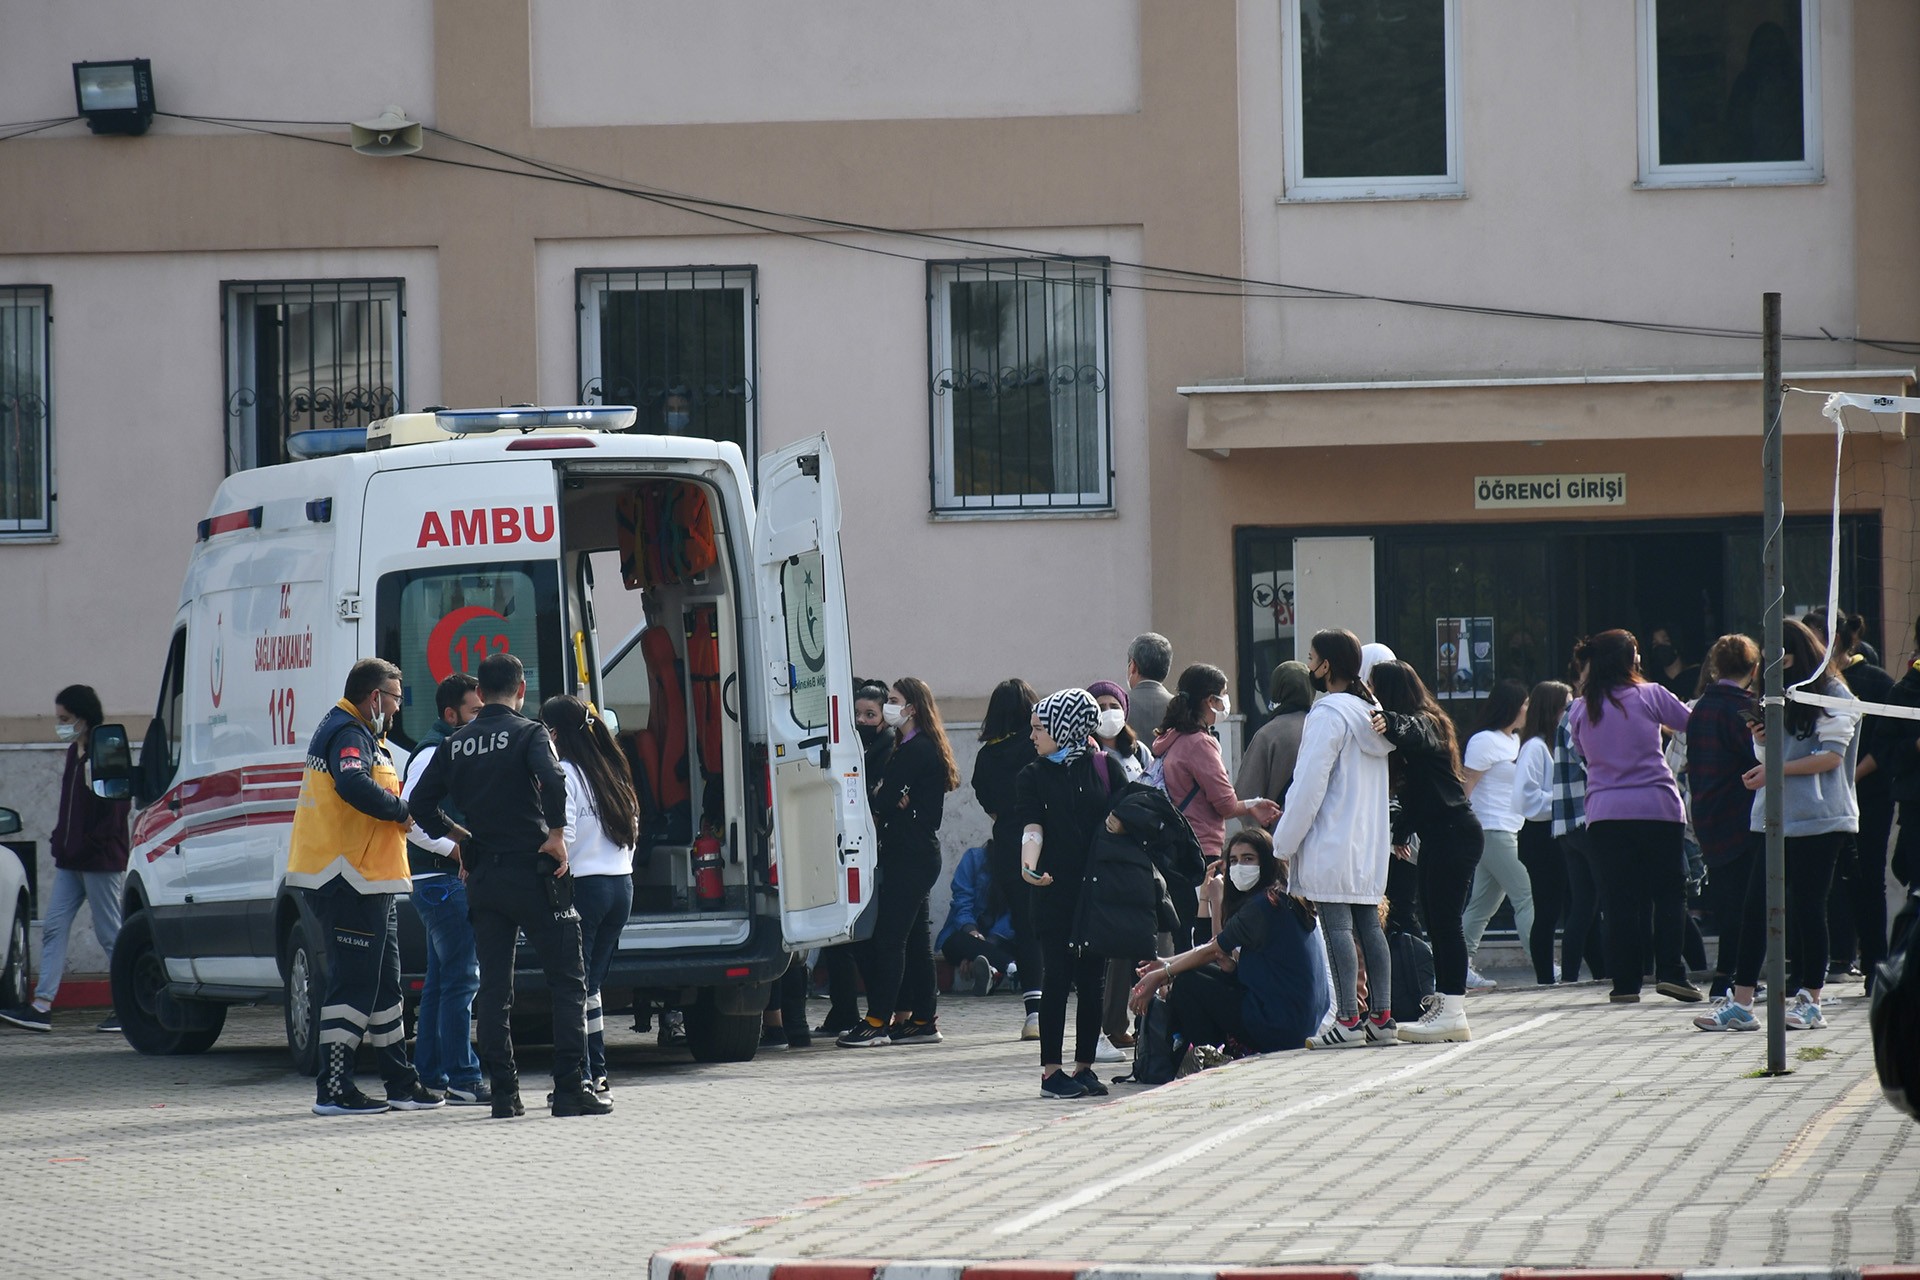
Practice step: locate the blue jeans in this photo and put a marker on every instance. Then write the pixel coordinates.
(443, 1035)
(604, 903)
(101, 890)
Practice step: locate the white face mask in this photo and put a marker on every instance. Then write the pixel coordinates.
(379, 723)
(1222, 704)
(1244, 875)
(894, 715)
(1110, 723)
(66, 732)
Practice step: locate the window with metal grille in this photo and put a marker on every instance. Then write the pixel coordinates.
(1020, 414)
(26, 432)
(306, 355)
(676, 343)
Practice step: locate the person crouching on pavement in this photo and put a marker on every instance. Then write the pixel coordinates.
(502, 776)
(603, 826)
(349, 855)
(443, 1025)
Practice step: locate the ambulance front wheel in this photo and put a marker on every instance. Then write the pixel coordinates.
(303, 970)
(150, 1018)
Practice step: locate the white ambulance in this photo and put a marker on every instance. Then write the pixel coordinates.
(452, 534)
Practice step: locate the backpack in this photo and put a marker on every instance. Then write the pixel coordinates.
(1894, 1015)
(1156, 777)
(1413, 979)
(1156, 1056)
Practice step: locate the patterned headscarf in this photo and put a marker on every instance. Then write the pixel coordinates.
(1068, 717)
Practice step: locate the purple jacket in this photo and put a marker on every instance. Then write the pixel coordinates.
(91, 834)
(1627, 774)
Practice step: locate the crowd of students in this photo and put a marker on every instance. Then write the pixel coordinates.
(1607, 811)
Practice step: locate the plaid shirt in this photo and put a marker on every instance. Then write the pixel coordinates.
(1569, 781)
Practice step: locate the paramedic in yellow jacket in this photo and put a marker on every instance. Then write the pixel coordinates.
(349, 858)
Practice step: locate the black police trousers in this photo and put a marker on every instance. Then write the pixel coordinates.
(504, 897)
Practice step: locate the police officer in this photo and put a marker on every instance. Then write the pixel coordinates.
(500, 773)
(349, 854)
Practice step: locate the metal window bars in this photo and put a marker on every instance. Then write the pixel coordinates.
(26, 442)
(304, 355)
(1020, 415)
(676, 343)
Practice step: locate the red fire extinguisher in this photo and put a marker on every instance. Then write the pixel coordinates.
(708, 886)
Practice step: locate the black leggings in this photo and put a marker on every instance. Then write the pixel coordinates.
(963, 946)
(1010, 889)
(1726, 902)
(1582, 936)
(1644, 876)
(1810, 862)
(1547, 870)
(1204, 1006)
(1085, 975)
(900, 953)
(1448, 858)
(1403, 897)
(1857, 907)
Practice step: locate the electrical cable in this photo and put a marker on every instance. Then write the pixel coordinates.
(37, 126)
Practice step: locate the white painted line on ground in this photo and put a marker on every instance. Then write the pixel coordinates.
(1087, 1195)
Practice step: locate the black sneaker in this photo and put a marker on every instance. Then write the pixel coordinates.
(477, 1094)
(1683, 991)
(864, 1035)
(416, 1098)
(110, 1024)
(1062, 1087)
(773, 1037)
(836, 1023)
(673, 1030)
(506, 1102)
(579, 1100)
(1091, 1083)
(911, 1032)
(800, 1040)
(348, 1102)
(27, 1018)
(1623, 997)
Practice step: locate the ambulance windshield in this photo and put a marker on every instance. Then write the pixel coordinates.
(435, 622)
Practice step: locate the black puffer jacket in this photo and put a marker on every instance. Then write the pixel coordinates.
(1128, 871)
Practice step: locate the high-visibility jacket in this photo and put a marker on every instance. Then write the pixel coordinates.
(347, 821)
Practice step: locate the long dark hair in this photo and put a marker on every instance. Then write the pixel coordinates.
(1545, 705)
(1400, 690)
(582, 740)
(82, 703)
(1809, 656)
(1503, 704)
(926, 720)
(1271, 869)
(1009, 710)
(1341, 651)
(1612, 662)
(1198, 683)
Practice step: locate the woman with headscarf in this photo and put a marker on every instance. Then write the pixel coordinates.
(1061, 802)
(1266, 766)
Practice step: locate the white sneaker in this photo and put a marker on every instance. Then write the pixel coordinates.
(1341, 1035)
(1030, 1030)
(1477, 982)
(1442, 1018)
(1108, 1051)
(1803, 1014)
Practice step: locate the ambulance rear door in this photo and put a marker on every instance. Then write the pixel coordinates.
(824, 844)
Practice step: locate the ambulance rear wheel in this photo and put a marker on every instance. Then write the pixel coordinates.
(714, 1036)
(140, 990)
(303, 970)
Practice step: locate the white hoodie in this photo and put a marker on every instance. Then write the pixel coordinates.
(1334, 832)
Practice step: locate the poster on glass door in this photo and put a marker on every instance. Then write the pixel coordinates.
(1463, 658)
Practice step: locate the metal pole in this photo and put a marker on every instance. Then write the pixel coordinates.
(1772, 521)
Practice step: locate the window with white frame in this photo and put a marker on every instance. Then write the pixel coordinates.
(1729, 92)
(676, 343)
(1020, 405)
(26, 432)
(1372, 101)
(308, 355)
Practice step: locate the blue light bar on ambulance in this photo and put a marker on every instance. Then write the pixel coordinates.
(579, 417)
(327, 442)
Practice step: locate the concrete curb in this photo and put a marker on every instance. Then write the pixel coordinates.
(696, 1262)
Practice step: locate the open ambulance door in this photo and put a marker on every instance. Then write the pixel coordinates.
(824, 844)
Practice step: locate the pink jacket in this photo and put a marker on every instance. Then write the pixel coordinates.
(1192, 767)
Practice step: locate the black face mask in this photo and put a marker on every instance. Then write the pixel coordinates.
(1319, 681)
(869, 734)
(1660, 657)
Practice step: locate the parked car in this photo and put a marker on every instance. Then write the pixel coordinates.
(16, 976)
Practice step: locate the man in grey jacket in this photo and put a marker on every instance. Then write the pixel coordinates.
(1149, 658)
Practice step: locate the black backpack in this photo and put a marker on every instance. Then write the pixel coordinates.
(1413, 978)
(1894, 1015)
(1156, 1058)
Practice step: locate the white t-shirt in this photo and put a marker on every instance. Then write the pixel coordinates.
(1492, 755)
(589, 850)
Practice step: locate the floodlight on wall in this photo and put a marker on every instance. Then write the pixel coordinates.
(115, 97)
(390, 134)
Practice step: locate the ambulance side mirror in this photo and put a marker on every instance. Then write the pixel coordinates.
(110, 762)
(9, 822)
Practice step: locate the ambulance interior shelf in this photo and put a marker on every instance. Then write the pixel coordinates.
(665, 681)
